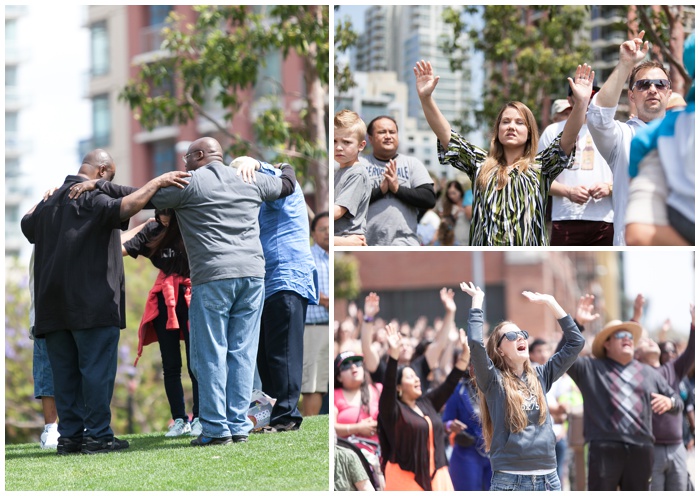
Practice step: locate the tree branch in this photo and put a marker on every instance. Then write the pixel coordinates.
(664, 49)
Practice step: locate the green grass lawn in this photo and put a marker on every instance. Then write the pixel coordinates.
(286, 461)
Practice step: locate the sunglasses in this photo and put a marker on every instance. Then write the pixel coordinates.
(512, 336)
(645, 84)
(348, 365)
(622, 335)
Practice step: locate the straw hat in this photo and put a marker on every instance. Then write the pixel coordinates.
(609, 329)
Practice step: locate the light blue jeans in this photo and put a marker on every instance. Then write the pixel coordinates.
(501, 481)
(224, 332)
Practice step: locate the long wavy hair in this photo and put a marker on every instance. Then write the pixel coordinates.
(495, 163)
(515, 392)
(170, 237)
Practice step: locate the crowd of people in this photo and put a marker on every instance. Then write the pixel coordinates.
(609, 182)
(236, 276)
(431, 407)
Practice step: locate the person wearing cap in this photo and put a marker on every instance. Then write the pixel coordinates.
(561, 109)
(355, 399)
(649, 91)
(670, 472)
(661, 208)
(582, 203)
(517, 426)
(409, 423)
(620, 394)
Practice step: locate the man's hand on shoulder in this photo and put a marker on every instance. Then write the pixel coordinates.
(78, 189)
(246, 167)
(173, 178)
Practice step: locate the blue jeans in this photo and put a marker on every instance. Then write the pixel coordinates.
(224, 333)
(84, 364)
(41, 370)
(501, 481)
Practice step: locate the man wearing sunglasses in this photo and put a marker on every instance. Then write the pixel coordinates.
(619, 396)
(649, 90)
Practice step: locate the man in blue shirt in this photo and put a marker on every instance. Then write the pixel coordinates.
(317, 332)
(291, 283)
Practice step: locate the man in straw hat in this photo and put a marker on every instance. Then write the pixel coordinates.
(619, 396)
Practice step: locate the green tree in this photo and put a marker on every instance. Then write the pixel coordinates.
(222, 54)
(346, 278)
(344, 39)
(663, 25)
(529, 52)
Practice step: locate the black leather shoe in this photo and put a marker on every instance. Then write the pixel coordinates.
(69, 446)
(203, 440)
(93, 446)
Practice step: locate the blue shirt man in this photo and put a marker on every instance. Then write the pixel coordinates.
(291, 284)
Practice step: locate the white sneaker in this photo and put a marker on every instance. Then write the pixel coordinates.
(196, 427)
(49, 438)
(179, 428)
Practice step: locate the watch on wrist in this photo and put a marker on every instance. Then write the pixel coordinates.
(368, 319)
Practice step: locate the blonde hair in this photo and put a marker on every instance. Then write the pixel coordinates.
(347, 119)
(516, 416)
(495, 163)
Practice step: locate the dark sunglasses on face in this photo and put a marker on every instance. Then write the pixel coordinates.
(348, 365)
(645, 84)
(512, 336)
(622, 335)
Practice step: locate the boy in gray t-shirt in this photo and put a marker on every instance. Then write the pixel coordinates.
(351, 181)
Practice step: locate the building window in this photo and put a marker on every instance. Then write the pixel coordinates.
(163, 157)
(157, 14)
(99, 49)
(101, 121)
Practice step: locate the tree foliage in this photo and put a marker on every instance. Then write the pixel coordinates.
(346, 276)
(223, 54)
(345, 37)
(529, 52)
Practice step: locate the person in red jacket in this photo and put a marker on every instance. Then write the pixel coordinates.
(166, 316)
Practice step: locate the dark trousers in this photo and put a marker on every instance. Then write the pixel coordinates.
(84, 365)
(169, 341)
(613, 464)
(281, 353)
(582, 233)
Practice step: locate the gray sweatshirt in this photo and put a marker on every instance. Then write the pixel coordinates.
(533, 448)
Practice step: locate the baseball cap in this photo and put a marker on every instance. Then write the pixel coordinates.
(347, 356)
(560, 106)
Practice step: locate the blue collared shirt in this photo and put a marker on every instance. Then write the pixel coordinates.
(284, 234)
(316, 314)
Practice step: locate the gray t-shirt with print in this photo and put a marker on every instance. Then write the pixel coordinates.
(390, 221)
(352, 191)
(218, 217)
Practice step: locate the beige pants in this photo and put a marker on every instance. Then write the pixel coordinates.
(316, 358)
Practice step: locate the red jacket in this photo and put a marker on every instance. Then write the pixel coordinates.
(169, 286)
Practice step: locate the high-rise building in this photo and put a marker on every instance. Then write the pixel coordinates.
(395, 38)
(15, 143)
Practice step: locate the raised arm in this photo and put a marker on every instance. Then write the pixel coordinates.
(631, 52)
(581, 87)
(426, 82)
(639, 302)
(439, 396)
(548, 300)
(435, 349)
(367, 332)
(686, 360)
(387, 399)
(484, 369)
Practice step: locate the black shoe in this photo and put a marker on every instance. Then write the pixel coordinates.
(92, 446)
(239, 439)
(69, 446)
(271, 429)
(203, 440)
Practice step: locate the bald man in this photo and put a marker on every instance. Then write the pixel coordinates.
(218, 217)
(79, 297)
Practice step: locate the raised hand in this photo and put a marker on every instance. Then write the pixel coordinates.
(582, 84)
(585, 309)
(426, 81)
(538, 298)
(475, 292)
(634, 50)
(639, 302)
(447, 296)
(466, 352)
(371, 305)
(393, 339)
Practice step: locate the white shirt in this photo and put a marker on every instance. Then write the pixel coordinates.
(612, 139)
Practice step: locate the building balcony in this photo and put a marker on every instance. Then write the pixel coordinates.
(152, 38)
(14, 99)
(14, 145)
